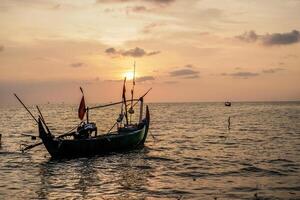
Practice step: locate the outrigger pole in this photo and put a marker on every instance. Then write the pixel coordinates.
(141, 98)
(121, 102)
(26, 109)
(111, 104)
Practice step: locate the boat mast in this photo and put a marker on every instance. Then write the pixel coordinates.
(87, 115)
(131, 111)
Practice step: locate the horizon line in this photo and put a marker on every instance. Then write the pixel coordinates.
(167, 102)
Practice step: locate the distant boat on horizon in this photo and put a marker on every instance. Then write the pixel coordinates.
(227, 103)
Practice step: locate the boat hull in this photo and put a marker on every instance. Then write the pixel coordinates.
(95, 146)
(100, 145)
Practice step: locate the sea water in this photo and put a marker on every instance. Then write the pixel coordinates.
(190, 153)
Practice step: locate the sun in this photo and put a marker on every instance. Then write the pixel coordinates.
(128, 75)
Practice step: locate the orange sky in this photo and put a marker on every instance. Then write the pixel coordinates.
(195, 50)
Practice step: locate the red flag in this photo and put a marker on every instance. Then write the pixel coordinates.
(81, 109)
(124, 100)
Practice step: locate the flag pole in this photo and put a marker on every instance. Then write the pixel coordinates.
(87, 115)
(124, 99)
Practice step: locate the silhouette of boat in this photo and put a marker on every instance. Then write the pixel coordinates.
(124, 139)
(83, 140)
(227, 103)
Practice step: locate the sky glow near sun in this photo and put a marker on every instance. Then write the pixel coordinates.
(196, 50)
(128, 75)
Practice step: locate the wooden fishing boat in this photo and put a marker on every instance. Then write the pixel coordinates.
(84, 141)
(122, 140)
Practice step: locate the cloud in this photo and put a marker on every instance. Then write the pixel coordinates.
(114, 80)
(145, 78)
(143, 6)
(150, 27)
(271, 39)
(189, 66)
(241, 74)
(249, 36)
(158, 2)
(192, 76)
(183, 73)
(187, 72)
(112, 1)
(111, 51)
(137, 9)
(244, 74)
(153, 53)
(282, 38)
(135, 52)
(78, 64)
(272, 70)
(247, 74)
(1, 48)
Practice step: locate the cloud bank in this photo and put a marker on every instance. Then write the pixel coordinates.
(159, 2)
(247, 74)
(272, 70)
(136, 52)
(244, 74)
(187, 72)
(145, 78)
(76, 65)
(271, 39)
(183, 72)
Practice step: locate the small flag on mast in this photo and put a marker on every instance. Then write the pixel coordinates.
(81, 109)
